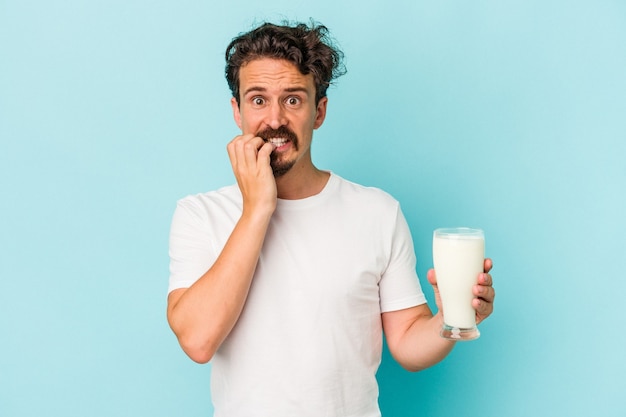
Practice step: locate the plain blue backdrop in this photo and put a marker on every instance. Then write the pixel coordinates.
(505, 115)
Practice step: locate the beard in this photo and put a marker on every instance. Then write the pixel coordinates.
(280, 166)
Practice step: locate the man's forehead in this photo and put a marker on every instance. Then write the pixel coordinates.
(265, 74)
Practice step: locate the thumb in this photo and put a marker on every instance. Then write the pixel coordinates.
(432, 280)
(263, 156)
(432, 277)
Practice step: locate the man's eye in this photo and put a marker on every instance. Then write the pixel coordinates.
(293, 101)
(258, 101)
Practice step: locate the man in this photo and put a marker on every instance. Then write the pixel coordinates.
(287, 280)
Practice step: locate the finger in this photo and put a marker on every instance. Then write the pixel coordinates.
(242, 151)
(250, 151)
(235, 148)
(231, 149)
(485, 293)
(488, 264)
(264, 153)
(432, 277)
(483, 308)
(485, 279)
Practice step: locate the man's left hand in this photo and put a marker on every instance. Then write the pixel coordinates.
(484, 293)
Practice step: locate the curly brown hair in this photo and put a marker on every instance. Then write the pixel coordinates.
(310, 49)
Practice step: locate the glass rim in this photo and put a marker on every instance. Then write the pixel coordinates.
(459, 232)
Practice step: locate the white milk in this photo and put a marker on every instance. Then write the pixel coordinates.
(458, 261)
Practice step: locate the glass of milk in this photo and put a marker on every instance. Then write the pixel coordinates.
(458, 256)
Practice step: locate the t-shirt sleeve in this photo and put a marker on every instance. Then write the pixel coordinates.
(399, 286)
(190, 248)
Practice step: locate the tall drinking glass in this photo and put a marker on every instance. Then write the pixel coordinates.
(458, 256)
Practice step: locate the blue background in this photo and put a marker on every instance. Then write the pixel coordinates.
(505, 115)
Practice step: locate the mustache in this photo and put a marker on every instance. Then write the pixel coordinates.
(281, 132)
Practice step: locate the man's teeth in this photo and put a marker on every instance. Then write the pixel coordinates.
(277, 141)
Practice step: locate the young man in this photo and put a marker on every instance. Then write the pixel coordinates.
(287, 280)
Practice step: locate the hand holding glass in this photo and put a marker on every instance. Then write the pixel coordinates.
(458, 257)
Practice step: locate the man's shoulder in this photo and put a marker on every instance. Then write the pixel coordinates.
(227, 192)
(370, 193)
(225, 198)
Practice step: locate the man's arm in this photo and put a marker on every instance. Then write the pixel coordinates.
(413, 334)
(203, 315)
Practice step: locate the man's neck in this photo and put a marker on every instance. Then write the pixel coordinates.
(298, 184)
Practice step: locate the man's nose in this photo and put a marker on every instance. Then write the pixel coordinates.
(276, 116)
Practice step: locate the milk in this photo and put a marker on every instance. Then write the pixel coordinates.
(458, 260)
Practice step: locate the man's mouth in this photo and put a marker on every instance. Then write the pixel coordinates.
(279, 137)
(278, 142)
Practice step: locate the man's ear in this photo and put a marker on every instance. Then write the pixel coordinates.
(236, 111)
(320, 112)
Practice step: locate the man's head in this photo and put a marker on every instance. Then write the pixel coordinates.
(310, 49)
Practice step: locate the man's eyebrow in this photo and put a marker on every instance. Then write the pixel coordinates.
(296, 90)
(259, 89)
(255, 89)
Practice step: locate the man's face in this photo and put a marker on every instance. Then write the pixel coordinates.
(277, 103)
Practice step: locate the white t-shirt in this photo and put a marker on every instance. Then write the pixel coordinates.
(309, 339)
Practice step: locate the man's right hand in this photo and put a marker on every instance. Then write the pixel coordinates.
(250, 159)
(203, 315)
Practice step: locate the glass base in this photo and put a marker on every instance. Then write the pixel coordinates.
(459, 334)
